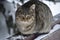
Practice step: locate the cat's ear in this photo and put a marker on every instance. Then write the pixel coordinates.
(32, 7)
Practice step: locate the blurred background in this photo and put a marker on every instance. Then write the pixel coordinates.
(8, 8)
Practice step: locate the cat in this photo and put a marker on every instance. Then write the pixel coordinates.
(32, 17)
(25, 17)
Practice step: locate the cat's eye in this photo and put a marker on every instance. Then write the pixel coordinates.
(23, 18)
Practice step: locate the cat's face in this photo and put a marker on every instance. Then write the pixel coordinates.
(25, 14)
(24, 17)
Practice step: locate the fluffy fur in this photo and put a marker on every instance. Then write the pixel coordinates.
(33, 17)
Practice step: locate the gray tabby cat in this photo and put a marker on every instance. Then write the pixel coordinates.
(32, 17)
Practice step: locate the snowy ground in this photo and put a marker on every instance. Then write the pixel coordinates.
(55, 8)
